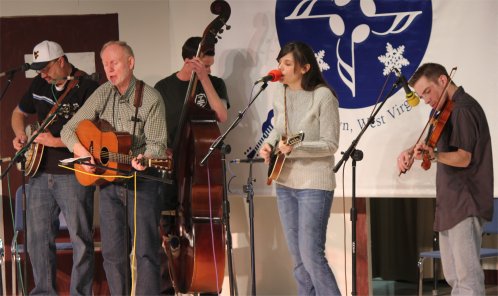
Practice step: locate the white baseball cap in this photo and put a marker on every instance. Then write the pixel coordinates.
(45, 52)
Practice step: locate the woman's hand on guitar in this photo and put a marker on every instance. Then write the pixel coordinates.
(284, 148)
(19, 141)
(137, 164)
(265, 152)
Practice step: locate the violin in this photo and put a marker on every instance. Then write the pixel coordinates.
(436, 123)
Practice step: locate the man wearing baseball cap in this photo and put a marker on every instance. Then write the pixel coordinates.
(53, 189)
(44, 53)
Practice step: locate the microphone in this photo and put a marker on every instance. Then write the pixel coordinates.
(273, 75)
(94, 76)
(247, 160)
(24, 67)
(411, 98)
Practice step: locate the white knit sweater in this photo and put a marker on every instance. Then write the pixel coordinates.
(316, 113)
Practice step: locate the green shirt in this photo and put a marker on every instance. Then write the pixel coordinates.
(108, 104)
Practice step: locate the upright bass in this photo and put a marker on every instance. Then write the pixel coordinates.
(196, 244)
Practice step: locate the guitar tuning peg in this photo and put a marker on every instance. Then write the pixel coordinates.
(228, 27)
(221, 31)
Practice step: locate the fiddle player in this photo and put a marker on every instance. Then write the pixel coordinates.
(211, 93)
(113, 102)
(464, 179)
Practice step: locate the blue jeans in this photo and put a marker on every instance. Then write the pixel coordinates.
(460, 247)
(114, 245)
(48, 195)
(304, 214)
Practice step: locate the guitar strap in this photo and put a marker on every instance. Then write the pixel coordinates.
(285, 111)
(70, 86)
(139, 90)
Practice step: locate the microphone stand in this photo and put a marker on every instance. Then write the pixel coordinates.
(10, 77)
(1, 265)
(218, 144)
(357, 155)
(19, 157)
(249, 189)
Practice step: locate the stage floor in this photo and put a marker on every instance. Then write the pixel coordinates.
(395, 288)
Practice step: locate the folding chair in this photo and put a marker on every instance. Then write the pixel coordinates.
(488, 229)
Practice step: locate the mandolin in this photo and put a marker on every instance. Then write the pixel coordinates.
(277, 158)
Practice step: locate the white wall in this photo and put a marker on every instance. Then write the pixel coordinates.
(156, 29)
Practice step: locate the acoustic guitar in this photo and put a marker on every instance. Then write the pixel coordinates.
(110, 149)
(277, 158)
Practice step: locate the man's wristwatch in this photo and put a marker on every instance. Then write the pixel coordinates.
(434, 159)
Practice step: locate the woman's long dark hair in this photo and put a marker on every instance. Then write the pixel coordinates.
(303, 54)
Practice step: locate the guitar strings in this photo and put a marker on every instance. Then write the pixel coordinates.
(95, 175)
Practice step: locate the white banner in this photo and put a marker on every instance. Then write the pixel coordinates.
(356, 43)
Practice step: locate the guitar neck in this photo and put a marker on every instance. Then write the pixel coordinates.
(126, 159)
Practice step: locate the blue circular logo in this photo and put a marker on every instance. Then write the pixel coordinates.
(358, 43)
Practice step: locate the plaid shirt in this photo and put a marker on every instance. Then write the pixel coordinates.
(108, 104)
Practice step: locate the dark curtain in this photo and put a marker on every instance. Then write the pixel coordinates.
(396, 227)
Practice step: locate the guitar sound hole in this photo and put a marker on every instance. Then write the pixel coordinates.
(104, 156)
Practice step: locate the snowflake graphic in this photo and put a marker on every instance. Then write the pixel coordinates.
(393, 59)
(321, 63)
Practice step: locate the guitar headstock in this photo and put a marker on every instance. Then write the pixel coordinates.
(67, 110)
(161, 164)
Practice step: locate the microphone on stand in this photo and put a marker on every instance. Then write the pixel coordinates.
(25, 67)
(247, 160)
(411, 98)
(273, 75)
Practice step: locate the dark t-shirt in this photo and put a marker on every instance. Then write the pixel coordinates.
(40, 98)
(465, 192)
(174, 91)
